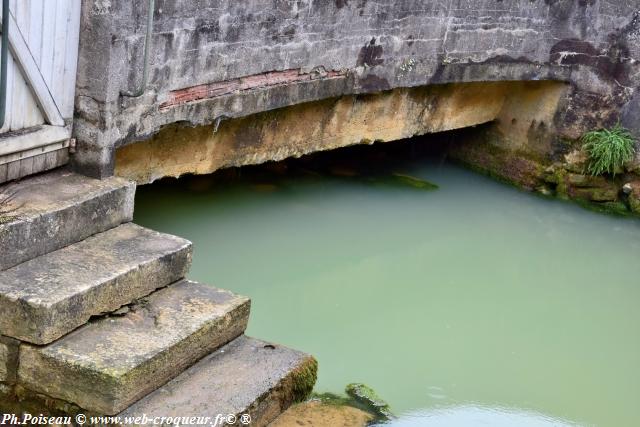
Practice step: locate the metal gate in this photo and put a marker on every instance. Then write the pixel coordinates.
(40, 85)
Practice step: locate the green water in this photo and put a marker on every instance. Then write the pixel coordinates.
(474, 304)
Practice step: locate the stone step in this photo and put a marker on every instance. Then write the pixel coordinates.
(245, 377)
(57, 209)
(113, 361)
(49, 296)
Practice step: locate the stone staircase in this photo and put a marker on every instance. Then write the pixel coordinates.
(96, 317)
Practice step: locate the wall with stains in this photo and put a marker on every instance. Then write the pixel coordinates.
(213, 60)
(332, 123)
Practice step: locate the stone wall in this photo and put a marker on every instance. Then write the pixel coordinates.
(213, 60)
(332, 123)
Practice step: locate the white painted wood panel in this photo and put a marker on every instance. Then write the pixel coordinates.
(50, 31)
(41, 76)
(26, 58)
(60, 45)
(66, 100)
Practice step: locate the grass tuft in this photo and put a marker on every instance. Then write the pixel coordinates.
(608, 149)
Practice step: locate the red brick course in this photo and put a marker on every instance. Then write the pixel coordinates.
(256, 81)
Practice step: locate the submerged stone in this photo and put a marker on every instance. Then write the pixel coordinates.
(366, 396)
(615, 208)
(414, 182)
(596, 194)
(583, 187)
(403, 181)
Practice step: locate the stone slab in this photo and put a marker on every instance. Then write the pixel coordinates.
(60, 208)
(47, 297)
(110, 363)
(247, 376)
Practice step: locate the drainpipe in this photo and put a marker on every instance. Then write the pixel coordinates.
(147, 48)
(3, 61)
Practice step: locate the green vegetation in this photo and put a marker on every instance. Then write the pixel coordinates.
(304, 378)
(359, 396)
(608, 149)
(367, 397)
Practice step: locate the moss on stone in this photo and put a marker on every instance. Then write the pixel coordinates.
(359, 396)
(616, 208)
(612, 208)
(367, 397)
(522, 170)
(487, 153)
(634, 203)
(304, 378)
(340, 401)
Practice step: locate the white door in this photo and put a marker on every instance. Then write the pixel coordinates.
(41, 75)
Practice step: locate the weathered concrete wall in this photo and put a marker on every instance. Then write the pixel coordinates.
(221, 59)
(332, 123)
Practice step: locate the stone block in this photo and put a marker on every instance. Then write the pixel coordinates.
(57, 209)
(110, 363)
(47, 297)
(247, 376)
